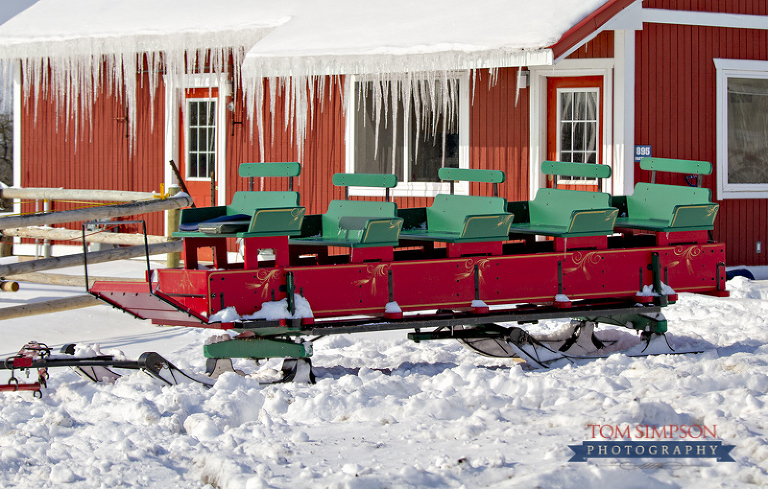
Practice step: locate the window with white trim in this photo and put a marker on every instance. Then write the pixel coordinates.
(742, 129)
(412, 138)
(578, 128)
(201, 137)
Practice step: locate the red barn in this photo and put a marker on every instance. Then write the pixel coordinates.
(108, 91)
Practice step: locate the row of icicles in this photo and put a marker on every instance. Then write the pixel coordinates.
(74, 83)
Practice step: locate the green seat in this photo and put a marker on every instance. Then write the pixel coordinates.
(254, 213)
(668, 208)
(354, 223)
(460, 218)
(562, 213)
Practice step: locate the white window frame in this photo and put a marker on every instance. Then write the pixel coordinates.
(409, 189)
(216, 128)
(586, 181)
(734, 68)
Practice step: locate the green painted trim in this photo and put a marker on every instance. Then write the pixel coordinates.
(269, 170)
(471, 175)
(690, 167)
(564, 168)
(258, 348)
(381, 180)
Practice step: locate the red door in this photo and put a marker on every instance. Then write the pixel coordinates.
(575, 126)
(199, 149)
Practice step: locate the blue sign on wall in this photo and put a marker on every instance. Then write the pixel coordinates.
(642, 151)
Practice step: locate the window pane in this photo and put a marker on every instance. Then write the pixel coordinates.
(378, 147)
(202, 167)
(578, 127)
(201, 143)
(434, 140)
(747, 130)
(566, 106)
(193, 165)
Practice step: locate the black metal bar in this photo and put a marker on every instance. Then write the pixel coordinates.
(559, 277)
(477, 282)
(656, 271)
(520, 315)
(390, 285)
(291, 290)
(85, 259)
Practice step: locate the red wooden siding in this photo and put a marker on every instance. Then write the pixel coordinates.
(676, 113)
(98, 154)
(599, 47)
(499, 133)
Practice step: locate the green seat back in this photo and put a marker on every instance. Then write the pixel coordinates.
(353, 208)
(471, 175)
(448, 212)
(269, 170)
(381, 180)
(564, 168)
(554, 206)
(676, 166)
(245, 202)
(658, 201)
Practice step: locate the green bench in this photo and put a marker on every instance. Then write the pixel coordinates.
(252, 214)
(268, 213)
(370, 229)
(461, 219)
(567, 214)
(677, 214)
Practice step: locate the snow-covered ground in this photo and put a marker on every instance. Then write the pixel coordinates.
(385, 412)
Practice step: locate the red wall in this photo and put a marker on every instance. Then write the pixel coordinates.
(675, 110)
(498, 140)
(95, 155)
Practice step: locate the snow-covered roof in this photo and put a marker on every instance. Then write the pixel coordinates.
(304, 36)
(354, 36)
(83, 27)
(74, 46)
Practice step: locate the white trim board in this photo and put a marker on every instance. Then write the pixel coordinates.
(704, 19)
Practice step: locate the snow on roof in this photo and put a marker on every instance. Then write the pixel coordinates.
(351, 36)
(78, 27)
(81, 44)
(304, 36)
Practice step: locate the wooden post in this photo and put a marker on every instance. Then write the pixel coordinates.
(56, 305)
(173, 260)
(93, 258)
(62, 234)
(9, 286)
(92, 213)
(68, 280)
(6, 246)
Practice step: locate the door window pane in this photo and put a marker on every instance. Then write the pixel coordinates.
(201, 138)
(578, 126)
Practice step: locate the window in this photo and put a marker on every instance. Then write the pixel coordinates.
(201, 137)
(742, 129)
(412, 138)
(577, 128)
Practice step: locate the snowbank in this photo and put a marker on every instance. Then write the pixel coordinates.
(390, 413)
